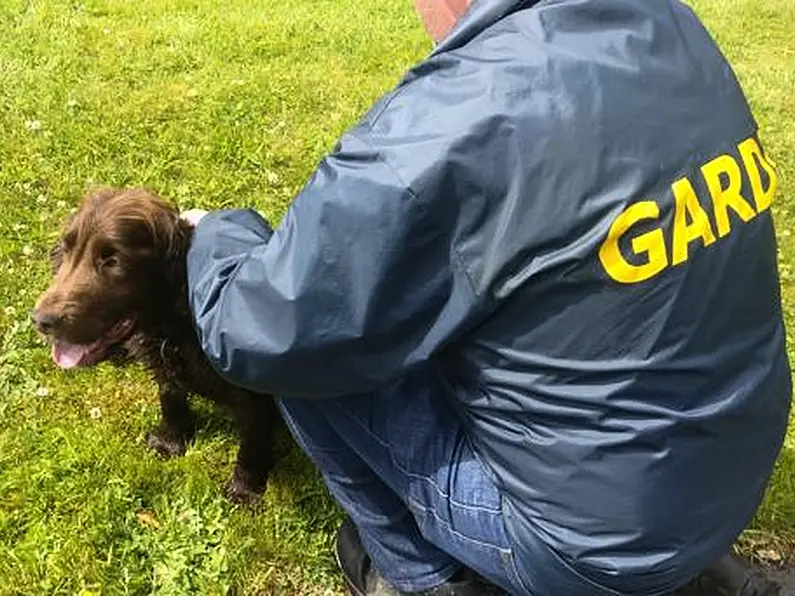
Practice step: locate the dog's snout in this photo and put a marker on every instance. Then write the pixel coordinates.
(45, 322)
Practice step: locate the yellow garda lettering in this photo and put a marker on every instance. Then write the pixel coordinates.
(687, 208)
(752, 155)
(726, 196)
(652, 243)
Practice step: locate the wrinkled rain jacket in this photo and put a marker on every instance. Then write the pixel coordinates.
(564, 208)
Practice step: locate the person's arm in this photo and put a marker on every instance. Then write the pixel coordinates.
(359, 283)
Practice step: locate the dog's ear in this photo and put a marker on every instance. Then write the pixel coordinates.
(174, 237)
(155, 229)
(180, 234)
(171, 234)
(56, 257)
(183, 234)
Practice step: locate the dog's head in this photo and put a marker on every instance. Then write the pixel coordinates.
(119, 262)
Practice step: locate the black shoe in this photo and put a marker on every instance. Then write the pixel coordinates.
(363, 579)
(730, 576)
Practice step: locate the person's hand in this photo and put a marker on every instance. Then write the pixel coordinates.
(193, 216)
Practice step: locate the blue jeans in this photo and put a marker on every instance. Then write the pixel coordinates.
(400, 464)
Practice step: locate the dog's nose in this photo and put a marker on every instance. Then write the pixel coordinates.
(44, 321)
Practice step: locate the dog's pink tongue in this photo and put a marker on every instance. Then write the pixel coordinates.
(68, 355)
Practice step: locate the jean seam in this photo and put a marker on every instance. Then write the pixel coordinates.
(512, 571)
(427, 479)
(362, 512)
(449, 528)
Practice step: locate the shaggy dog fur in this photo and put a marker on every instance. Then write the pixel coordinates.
(118, 293)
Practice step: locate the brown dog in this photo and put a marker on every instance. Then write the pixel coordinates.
(119, 293)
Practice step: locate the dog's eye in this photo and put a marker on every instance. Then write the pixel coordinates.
(108, 258)
(110, 262)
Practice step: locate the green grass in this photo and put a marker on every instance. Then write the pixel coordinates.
(216, 104)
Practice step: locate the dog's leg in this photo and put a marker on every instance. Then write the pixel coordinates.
(256, 418)
(176, 428)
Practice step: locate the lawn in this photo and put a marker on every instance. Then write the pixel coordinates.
(216, 104)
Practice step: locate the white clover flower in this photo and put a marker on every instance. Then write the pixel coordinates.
(95, 413)
(34, 125)
(42, 392)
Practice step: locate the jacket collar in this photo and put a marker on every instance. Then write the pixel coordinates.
(481, 15)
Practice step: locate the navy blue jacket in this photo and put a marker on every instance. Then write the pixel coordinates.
(566, 209)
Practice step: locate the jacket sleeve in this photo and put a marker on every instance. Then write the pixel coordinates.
(359, 283)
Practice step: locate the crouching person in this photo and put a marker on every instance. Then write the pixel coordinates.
(525, 317)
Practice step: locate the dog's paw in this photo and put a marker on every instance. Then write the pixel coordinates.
(167, 443)
(240, 491)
